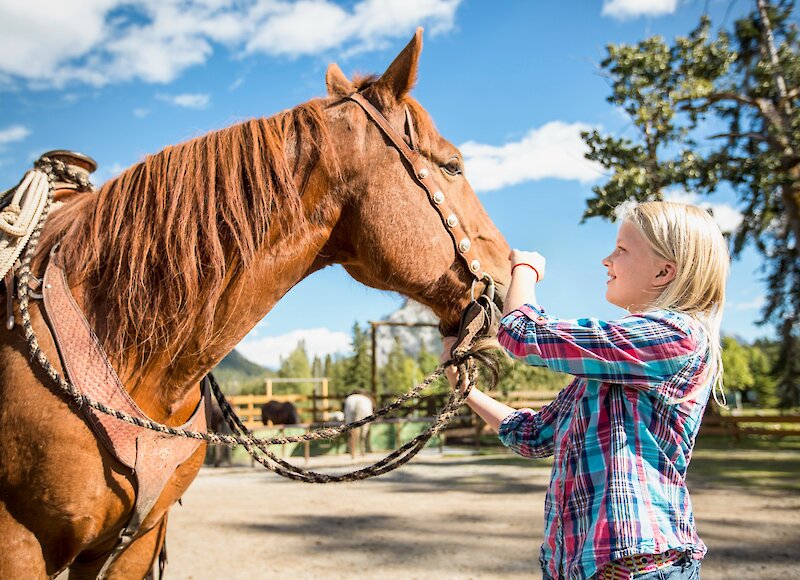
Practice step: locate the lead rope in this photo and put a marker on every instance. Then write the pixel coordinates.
(464, 362)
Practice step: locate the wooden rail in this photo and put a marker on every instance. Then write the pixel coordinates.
(751, 424)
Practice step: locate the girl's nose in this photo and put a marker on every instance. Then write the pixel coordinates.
(606, 261)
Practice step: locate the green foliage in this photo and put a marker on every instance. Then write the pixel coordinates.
(296, 365)
(677, 97)
(400, 373)
(426, 361)
(736, 362)
(748, 371)
(358, 368)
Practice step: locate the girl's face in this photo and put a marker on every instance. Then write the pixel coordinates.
(637, 276)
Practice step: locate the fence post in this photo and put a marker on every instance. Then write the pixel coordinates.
(314, 405)
(269, 388)
(325, 401)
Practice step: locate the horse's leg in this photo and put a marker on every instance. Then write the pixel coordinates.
(353, 442)
(21, 556)
(135, 563)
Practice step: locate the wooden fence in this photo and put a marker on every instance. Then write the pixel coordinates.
(317, 408)
(751, 423)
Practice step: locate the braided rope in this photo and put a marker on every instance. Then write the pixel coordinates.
(242, 435)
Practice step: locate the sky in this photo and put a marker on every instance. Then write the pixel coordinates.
(512, 83)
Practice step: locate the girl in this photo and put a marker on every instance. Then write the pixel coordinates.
(622, 432)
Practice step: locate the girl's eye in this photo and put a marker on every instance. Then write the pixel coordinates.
(453, 167)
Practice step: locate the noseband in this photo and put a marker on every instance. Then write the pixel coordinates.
(423, 175)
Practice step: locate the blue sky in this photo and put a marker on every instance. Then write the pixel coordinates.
(511, 82)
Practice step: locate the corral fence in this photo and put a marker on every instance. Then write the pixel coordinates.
(319, 407)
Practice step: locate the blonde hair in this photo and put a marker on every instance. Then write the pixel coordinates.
(688, 236)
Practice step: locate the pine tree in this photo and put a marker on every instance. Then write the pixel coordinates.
(358, 368)
(400, 373)
(296, 366)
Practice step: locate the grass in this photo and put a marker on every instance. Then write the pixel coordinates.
(758, 464)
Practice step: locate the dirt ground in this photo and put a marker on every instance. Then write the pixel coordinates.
(440, 516)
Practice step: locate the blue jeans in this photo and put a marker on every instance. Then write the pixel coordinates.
(685, 569)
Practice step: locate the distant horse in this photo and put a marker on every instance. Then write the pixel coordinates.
(176, 259)
(279, 413)
(358, 406)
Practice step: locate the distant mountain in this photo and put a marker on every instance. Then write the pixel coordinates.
(411, 338)
(235, 371)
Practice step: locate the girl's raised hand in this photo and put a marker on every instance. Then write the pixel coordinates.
(528, 260)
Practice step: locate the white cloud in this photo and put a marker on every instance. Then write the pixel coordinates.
(141, 112)
(268, 350)
(555, 150)
(13, 133)
(156, 40)
(727, 217)
(624, 9)
(188, 100)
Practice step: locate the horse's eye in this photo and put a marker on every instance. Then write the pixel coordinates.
(453, 167)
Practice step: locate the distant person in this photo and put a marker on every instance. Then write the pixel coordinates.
(622, 432)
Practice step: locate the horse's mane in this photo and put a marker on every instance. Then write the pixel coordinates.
(157, 245)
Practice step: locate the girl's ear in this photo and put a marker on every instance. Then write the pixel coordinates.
(666, 274)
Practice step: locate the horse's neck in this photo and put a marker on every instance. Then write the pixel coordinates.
(250, 294)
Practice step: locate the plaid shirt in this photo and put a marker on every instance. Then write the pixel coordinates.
(621, 444)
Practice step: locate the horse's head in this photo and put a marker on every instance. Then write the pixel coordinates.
(389, 234)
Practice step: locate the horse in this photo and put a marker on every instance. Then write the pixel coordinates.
(357, 406)
(177, 258)
(279, 413)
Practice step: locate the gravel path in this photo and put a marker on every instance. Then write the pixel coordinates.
(440, 516)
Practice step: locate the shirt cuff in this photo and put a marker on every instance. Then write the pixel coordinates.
(535, 313)
(509, 431)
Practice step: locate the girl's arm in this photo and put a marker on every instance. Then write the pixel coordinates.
(642, 350)
(487, 408)
(527, 433)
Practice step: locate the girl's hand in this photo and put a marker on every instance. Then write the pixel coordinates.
(450, 372)
(532, 261)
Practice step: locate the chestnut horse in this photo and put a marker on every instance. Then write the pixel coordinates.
(176, 259)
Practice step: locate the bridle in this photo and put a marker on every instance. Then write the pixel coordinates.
(423, 175)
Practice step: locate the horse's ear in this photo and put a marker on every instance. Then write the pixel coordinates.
(338, 84)
(401, 75)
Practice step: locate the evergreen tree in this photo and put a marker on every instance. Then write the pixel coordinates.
(400, 373)
(296, 366)
(426, 361)
(761, 362)
(678, 96)
(358, 368)
(317, 368)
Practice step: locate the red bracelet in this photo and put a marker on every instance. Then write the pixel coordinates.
(529, 266)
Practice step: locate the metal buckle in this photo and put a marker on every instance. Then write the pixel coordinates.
(488, 289)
